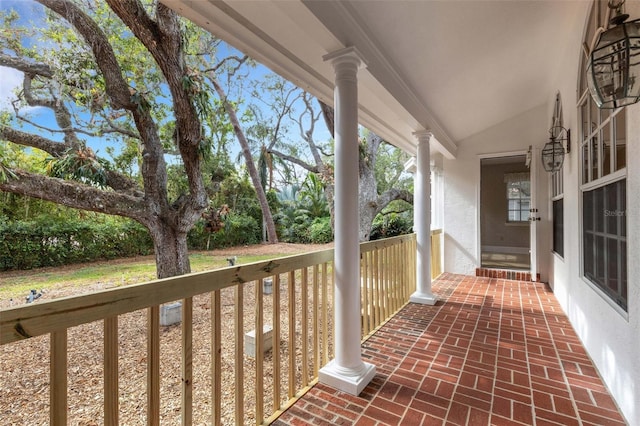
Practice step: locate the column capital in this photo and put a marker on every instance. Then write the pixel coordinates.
(423, 135)
(348, 55)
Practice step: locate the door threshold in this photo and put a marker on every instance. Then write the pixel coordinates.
(507, 274)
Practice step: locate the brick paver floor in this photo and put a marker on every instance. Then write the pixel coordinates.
(491, 351)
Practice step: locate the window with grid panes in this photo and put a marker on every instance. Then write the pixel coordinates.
(518, 197)
(603, 183)
(557, 189)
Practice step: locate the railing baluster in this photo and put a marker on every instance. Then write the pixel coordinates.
(153, 366)
(385, 282)
(371, 286)
(414, 263)
(111, 391)
(277, 383)
(239, 323)
(259, 387)
(388, 280)
(58, 377)
(397, 277)
(333, 304)
(400, 275)
(292, 333)
(376, 279)
(410, 271)
(393, 271)
(316, 325)
(304, 305)
(325, 308)
(404, 258)
(392, 278)
(187, 361)
(379, 269)
(216, 359)
(364, 296)
(436, 253)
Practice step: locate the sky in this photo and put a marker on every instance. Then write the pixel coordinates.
(11, 78)
(31, 12)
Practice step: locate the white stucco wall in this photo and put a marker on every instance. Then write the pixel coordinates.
(611, 337)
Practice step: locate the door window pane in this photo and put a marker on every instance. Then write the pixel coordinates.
(518, 196)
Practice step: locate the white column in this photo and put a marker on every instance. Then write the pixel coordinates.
(422, 221)
(346, 372)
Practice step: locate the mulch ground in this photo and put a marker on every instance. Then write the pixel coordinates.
(24, 366)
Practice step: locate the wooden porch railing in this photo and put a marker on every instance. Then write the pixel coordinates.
(436, 253)
(241, 388)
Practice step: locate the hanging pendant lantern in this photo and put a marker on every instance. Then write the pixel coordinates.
(613, 72)
(552, 156)
(554, 150)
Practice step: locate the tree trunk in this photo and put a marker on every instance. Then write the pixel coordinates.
(170, 247)
(251, 167)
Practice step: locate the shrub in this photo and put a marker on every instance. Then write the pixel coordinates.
(39, 243)
(238, 230)
(390, 225)
(320, 231)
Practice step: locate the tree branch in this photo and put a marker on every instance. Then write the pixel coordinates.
(60, 110)
(295, 160)
(392, 195)
(164, 42)
(76, 195)
(115, 180)
(53, 148)
(116, 86)
(227, 59)
(26, 67)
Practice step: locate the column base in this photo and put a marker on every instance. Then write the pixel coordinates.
(351, 382)
(423, 299)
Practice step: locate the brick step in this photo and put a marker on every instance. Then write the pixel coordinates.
(507, 274)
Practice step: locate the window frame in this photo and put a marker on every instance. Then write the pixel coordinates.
(526, 212)
(557, 189)
(557, 225)
(598, 128)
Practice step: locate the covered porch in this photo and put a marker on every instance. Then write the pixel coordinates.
(451, 83)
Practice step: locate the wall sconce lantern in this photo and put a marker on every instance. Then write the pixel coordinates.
(554, 150)
(614, 65)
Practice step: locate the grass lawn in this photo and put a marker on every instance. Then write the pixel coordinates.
(17, 284)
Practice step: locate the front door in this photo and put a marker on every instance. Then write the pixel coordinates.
(534, 215)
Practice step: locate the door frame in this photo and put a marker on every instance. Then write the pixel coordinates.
(529, 152)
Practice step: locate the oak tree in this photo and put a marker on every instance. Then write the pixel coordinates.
(127, 72)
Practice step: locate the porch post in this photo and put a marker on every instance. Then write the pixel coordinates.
(422, 221)
(346, 372)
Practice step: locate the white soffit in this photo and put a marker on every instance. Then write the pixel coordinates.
(286, 37)
(454, 67)
(461, 66)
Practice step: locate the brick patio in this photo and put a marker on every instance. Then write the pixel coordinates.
(492, 351)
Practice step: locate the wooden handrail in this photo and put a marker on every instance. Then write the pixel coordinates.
(303, 282)
(23, 322)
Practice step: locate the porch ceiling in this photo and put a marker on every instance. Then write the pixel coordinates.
(454, 67)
